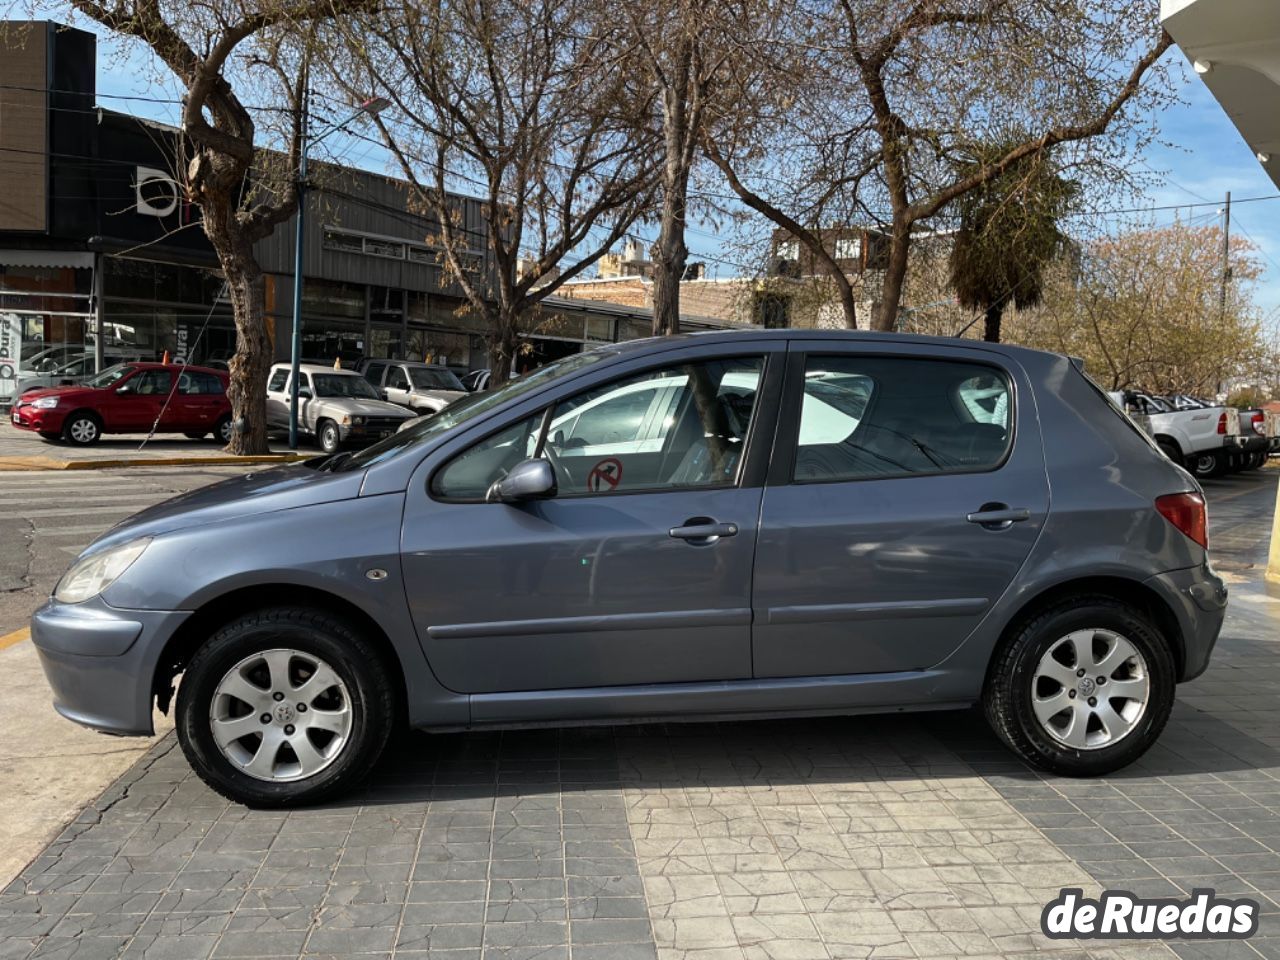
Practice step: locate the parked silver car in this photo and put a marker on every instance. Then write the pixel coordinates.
(424, 388)
(335, 406)
(757, 523)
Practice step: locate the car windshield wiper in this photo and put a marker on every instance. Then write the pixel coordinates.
(335, 461)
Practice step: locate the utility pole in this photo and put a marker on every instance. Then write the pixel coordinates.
(1226, 255)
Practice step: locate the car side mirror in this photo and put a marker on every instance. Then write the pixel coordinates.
(528, 480)
(125, 390)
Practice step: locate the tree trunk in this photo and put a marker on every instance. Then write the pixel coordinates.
(895, 276)
(670, 252)
(995, 313)
(503, 346)
(249, 367)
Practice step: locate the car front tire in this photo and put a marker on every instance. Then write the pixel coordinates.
(82, 429)
(284, 706)
(328, 436)
(1083, 688)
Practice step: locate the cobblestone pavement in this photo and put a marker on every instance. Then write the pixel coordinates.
(891, 837)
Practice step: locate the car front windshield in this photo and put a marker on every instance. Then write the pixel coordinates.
(427, 379)
(339, 385)
(471, 406)
(109, 376)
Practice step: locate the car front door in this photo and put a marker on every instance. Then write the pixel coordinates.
(637, 572)
(397, 385)
(905, 493)
(138, 401)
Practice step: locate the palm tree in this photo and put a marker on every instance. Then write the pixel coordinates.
(1008, 234)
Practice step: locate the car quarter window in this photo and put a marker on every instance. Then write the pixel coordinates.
(278, 379)
(681, 426)
(396, 379)
(867, 417)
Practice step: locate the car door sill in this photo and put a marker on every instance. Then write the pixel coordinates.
(711, 700)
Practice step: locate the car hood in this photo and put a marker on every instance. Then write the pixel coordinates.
(74, 393)
(280, 488)
(363, 408)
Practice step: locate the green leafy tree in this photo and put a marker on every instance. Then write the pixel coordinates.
(1008, 234)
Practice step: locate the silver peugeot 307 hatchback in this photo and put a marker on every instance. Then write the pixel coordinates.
(759, 523)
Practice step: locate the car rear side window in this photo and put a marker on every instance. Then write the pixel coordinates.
(373, 373)
(193, 382)
(278, 380)
(866, 418)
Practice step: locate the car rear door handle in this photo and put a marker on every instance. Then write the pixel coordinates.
(703, 530)
(997, 516)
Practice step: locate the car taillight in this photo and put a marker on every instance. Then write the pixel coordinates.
(1259, 423)
(1222, 423)
(1186, 511)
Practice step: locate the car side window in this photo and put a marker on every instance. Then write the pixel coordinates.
(681, 426)
(278, 380)
(396, 380)
(373, 373)
(194, 382)
(866, 418)
(152, 383)
(469, 475)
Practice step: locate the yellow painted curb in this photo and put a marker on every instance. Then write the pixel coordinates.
(15, 638)
(48, 463)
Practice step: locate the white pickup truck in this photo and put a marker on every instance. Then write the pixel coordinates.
(1201, 439)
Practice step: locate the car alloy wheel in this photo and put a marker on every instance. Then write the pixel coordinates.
(1205, 464)
(1090, 689)
(281, 715)
(329, 437)
(83, 430)
(224, 430)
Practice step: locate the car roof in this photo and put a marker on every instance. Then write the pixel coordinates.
(173, 367)
(319, 368)
(749, 334)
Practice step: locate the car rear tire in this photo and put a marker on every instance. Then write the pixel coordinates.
(1083, 688)
(222, 431)
(1170, 450)
(284, 706)
(328, 436)
(82, 429)
(1205, 465)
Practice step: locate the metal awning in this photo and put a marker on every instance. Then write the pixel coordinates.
(78, 259)
(1234, 45)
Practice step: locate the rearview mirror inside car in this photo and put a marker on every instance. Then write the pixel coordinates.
(528, 480)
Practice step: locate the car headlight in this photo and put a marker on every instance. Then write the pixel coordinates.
(89, 576)
(45, 403)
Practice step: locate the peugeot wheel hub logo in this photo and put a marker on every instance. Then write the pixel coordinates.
(284, 713)
(1086, 687)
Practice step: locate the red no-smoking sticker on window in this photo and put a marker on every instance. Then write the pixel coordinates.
(605, 475)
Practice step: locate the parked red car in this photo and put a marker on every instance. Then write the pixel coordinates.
(128, 398)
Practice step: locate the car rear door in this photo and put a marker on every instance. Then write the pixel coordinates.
(278, 398)
(638, 571)
(198, 403)
(907, 488)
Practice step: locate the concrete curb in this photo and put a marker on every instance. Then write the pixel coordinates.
(48, 463)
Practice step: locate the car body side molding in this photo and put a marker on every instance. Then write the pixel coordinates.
(616, 621)
(821, 612)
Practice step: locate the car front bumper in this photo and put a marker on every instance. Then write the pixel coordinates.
(101, 661)
(1198, 598)
(26, 417)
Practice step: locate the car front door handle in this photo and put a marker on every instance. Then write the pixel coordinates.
(997, 516)
(703, 530)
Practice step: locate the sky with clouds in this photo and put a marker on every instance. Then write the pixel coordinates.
(1202, 156)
